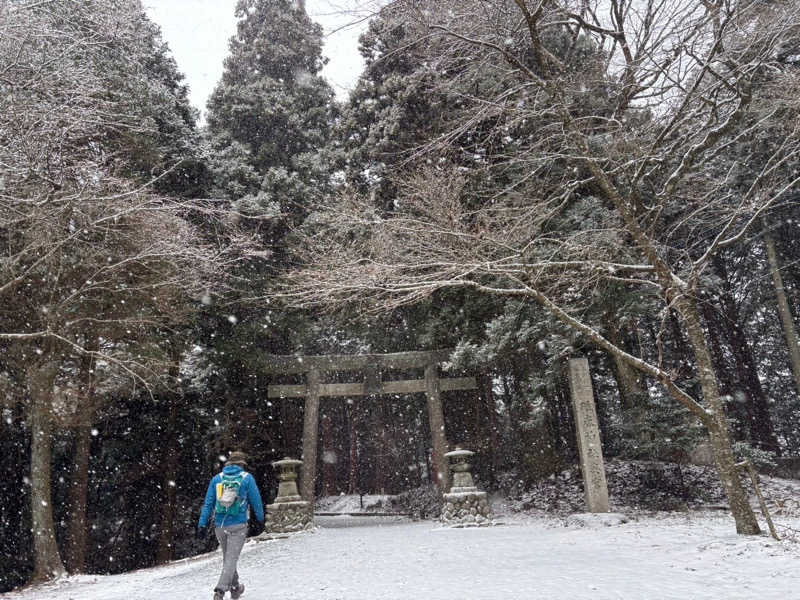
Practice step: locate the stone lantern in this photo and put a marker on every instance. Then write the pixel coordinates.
(289, 513)
(287, 477)
(464, 505)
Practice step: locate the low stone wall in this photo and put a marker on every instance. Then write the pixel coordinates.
(289, 517)
(466, 509)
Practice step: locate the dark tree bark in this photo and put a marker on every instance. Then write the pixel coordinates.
(291, 411)
(743, 378)
(381, 479)
(47, 560)
(328, 465)
(166, 547)
(564, 436)
(75, 546)
(486, 391)
(76, 541)
(170, 472)
(632, 393)
(785, 312)
(352, 486)
(759, 420)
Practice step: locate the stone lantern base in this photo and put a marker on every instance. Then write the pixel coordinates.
(290, 513)
(465, 505)
(289, 517)
(466, 509)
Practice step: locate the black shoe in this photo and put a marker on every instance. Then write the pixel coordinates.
(218, 595)
(237, 591)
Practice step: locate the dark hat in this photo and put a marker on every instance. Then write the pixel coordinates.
(237, 457)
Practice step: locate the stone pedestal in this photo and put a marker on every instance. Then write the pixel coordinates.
(289, 517)
(289, 513)
(464, 505)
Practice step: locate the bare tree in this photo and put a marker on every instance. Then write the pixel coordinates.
(591, 148)
(92, 264)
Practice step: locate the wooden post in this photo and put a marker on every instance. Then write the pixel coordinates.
(436, 418)
(310, 432)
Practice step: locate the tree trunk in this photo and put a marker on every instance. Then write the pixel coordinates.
(328, 457)
(716, 421)
(727, 378)
(382, 479)
(725, 375)
(566, 442)
(47, 561)
(783, 310)
(291, 417)
(352, 487)
(170, 473)
(759, 421)
(487, 391)
(166, 547)
(75, 546)
(633, 396)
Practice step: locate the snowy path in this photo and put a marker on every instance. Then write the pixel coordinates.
(650, 559)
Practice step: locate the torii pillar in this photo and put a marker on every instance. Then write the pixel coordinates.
(310, 434)
(436, 419)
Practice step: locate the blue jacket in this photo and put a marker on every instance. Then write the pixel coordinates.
(248, 491)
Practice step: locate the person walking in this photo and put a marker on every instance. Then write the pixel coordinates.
(229, 498)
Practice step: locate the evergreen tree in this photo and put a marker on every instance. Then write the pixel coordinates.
(269, 122)
(391, 109)
(270, 116)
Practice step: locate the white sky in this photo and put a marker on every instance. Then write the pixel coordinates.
(198, 31)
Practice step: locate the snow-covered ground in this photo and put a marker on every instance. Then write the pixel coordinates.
(685, 556)
(350, 503)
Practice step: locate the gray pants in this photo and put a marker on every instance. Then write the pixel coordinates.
(231, 539)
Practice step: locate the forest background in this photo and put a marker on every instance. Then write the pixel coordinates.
(520, 181)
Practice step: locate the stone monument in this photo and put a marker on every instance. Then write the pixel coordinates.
(465, 505)
(289, 513)
(595, 487)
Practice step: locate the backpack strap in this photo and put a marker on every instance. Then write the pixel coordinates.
(245, 475)
(217, 485)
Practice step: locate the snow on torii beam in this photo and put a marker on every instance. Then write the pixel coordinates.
(403, 386)
(371, 364)
(292, 364)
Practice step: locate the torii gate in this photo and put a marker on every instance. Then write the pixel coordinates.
(314, 367)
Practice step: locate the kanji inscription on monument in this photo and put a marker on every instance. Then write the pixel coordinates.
(591, 452)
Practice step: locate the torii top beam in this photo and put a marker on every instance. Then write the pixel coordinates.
(288, 365)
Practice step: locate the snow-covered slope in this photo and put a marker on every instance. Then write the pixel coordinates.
(659, 557)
